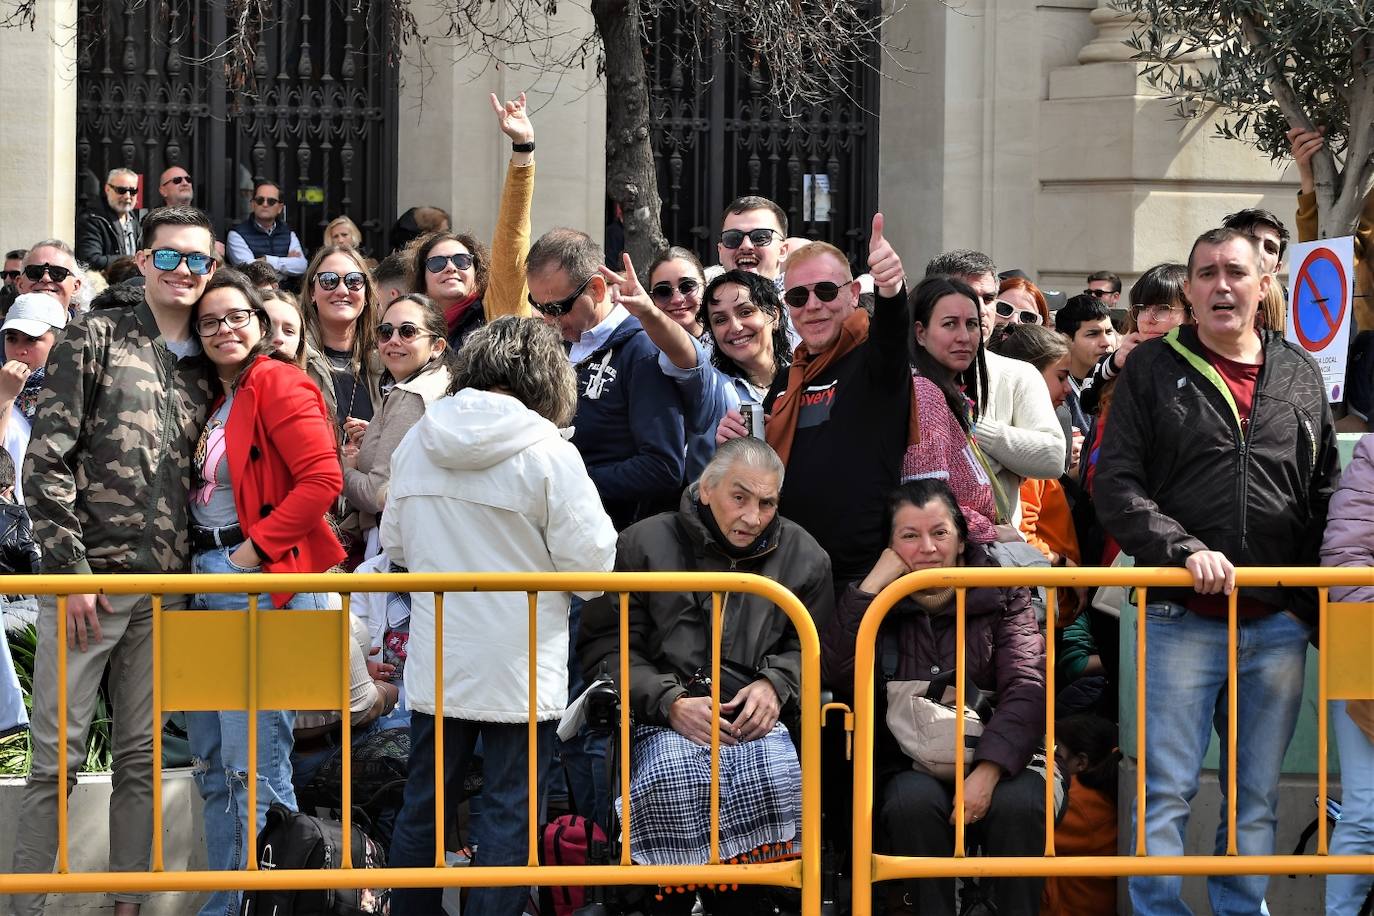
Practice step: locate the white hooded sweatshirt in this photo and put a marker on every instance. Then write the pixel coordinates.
(484, 484)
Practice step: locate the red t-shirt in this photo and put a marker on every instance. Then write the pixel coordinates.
(1241, 379)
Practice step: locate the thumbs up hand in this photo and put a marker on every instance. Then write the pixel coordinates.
(883, 263)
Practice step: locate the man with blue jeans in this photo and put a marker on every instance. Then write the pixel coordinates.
(1219, 452)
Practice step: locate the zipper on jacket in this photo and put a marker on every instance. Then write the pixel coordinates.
(1245, 454)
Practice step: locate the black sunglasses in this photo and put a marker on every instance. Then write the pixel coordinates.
(178, 179)
(798, 296)
(559, 306)
(34, 272)
(9, 274)
(1097, 293)
(436, 263)
(1006, 310)
(267, 201)
(329, 280)
(663, 292)
(407, 331)
(118, 190)
(759, 238)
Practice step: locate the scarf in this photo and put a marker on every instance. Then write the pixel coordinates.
(805, 368)
(455, 312)
(729, 549)
(27, 399)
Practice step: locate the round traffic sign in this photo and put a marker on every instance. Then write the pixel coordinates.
(1321, 293)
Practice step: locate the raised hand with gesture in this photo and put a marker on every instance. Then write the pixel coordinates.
(513, 119)
(883, 263)
(626, 289)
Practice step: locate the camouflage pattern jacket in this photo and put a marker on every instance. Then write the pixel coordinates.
(108, 470)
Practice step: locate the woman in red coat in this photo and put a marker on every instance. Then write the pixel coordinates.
(266, 472)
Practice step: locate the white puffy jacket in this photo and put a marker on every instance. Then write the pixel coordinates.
(484, 484)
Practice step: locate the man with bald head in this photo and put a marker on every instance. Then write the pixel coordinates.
(175, 187)
(110, 230)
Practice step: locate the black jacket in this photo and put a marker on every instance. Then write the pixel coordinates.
(1177, 475)
(18, 552)
(670, 632)
(97, 239)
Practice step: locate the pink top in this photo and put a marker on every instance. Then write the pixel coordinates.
(945, 452)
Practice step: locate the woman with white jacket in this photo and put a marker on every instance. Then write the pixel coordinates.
(484, 482)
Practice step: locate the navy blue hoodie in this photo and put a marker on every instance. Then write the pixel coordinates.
(628, 426)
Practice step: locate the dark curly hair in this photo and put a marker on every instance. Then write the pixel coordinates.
(481, 259)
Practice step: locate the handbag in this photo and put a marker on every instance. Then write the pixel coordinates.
(922, 717)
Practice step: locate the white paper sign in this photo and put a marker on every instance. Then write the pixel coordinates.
(1321, 289)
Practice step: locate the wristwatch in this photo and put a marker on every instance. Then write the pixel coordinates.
(522, 147)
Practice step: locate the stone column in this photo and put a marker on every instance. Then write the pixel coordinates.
(453, 156)
(38, 127)
(1126, 184)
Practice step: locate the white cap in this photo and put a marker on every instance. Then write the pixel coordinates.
(35, 314)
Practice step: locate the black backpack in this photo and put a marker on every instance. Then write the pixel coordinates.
(293, 840)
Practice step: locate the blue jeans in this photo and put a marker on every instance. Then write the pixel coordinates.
(504, 798)
(1354, 835)
(219, 751)
(1185, 697)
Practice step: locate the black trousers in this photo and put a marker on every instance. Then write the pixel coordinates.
(914, 819)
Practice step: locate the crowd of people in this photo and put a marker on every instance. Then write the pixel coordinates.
(524, 406)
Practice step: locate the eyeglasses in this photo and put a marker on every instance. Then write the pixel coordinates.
(170, 259)
(559, 306)
(266, 201)
(407, 331)
(1154, 312)
(329, 280)
(8, 275)
(1097, 293)
(1007, 310)
(663, 292)
(34, 272)
(435, 264)
(798, 296)
(178, 179)
(118, 190)
(759, 238)
(238, 318)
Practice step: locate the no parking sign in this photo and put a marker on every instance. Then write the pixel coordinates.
(1320, 290)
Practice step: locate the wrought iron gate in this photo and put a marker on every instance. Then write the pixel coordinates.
(316, 115)
(717, 136)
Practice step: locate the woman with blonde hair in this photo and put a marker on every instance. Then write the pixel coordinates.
(343, 232)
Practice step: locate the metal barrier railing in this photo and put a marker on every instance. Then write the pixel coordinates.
(283, 659)
(1345, 642)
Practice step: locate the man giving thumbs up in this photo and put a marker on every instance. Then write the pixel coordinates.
(840, 421)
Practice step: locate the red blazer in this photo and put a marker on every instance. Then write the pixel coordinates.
(285, 469)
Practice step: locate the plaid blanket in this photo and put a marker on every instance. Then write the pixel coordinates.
(670, 797)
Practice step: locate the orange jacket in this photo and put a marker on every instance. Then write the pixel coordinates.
(1046, 520)
(1088, 829)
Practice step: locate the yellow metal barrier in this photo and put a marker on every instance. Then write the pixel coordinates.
(204, 660)
(1345, 642)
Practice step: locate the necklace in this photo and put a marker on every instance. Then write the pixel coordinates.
(342, 364)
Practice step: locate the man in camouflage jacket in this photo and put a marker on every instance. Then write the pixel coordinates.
(108, 474)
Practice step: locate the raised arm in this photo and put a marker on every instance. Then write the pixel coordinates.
(506, 280)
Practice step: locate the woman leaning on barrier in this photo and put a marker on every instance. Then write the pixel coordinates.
(727, 522)
(1004, 793)
(264, 474)
(1349, 541)
(485, 481)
